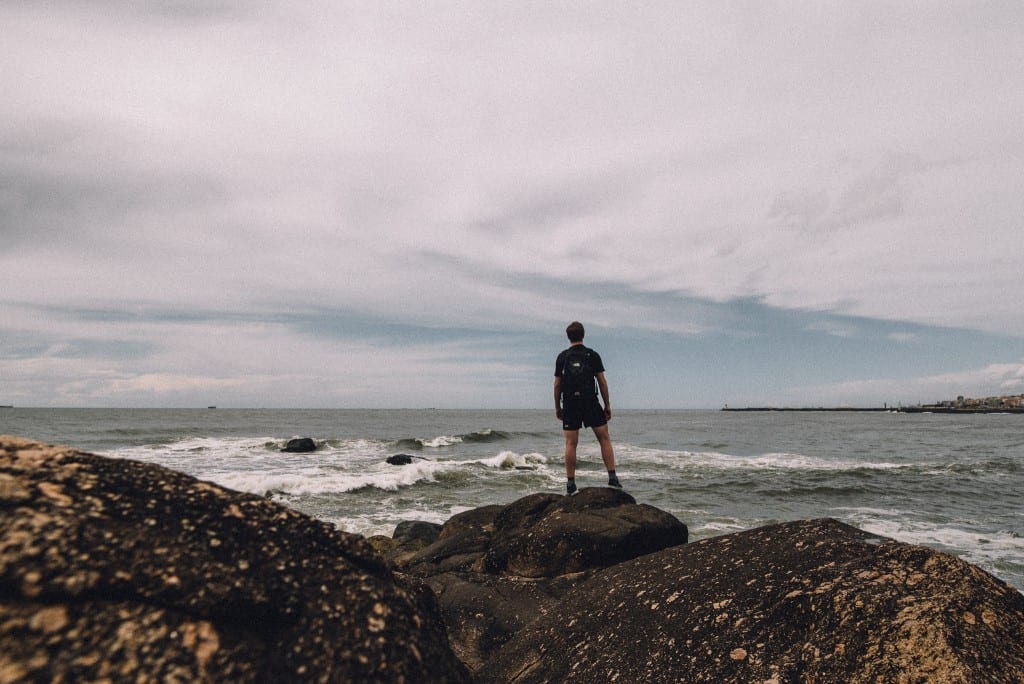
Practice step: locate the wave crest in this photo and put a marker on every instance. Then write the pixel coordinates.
(440, 441)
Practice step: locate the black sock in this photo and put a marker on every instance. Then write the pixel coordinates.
(611, 474)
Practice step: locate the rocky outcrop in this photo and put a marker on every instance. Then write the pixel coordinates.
(496, 568)
(300, 445)
(123, 571)
(547, 535)
(809, 601)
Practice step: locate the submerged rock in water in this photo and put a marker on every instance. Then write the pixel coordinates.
(815, 601)
(300, 445)
(399, 459)
(118, 570)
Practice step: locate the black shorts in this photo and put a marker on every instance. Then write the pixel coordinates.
(577, 412)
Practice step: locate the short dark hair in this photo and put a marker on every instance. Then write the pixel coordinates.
(575, 331)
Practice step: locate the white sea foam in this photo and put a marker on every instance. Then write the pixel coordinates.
(720, 527)
(356, 447)
(943, 535)
(327, 472)
(510, 459)
(716, 460)
(207, 450)
(328, 481)
(868, 512)
(441, 441)
(383, 521)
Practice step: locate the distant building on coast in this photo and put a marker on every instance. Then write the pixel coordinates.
(1008, 403)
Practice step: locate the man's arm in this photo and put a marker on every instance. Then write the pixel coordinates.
(558, 397)
(602, 385)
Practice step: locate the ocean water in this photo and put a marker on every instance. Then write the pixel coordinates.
(953, 483)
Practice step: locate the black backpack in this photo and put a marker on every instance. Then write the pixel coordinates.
(577, 373)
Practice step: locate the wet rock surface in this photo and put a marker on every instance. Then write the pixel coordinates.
(118, 570)
(547, 535)
(809, 601)
(496, 568)
(300, 445)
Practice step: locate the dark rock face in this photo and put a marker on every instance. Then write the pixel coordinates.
(546, 535)
(300, 445)
(416, 533)
(113, 569)
(496, 568)
(814, 601)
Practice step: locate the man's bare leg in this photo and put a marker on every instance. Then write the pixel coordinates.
(605, 440)
(607, 453)
(572, 440)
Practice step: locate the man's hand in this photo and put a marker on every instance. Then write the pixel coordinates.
(608, 412)
(558, 412)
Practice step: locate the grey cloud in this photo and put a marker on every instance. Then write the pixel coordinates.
(50, 193)
(190, 12)
(183, 11)
(800, 208)
(538, 208)
(870, 195)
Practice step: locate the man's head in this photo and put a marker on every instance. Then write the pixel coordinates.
(575, 331)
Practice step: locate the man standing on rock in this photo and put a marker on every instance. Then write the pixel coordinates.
(577, 370)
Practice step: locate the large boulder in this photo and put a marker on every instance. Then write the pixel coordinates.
(547, 535)
(117, 570)
(809, 601)
(496, 568)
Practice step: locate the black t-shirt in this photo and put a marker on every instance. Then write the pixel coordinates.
(593, 360)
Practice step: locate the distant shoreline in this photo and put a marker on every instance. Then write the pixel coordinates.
(807, 408)
(881, 409)
(953, 409)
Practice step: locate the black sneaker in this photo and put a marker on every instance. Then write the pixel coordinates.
(570, 489)
(613, 481)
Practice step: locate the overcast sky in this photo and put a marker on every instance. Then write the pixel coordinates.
(371, 204)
